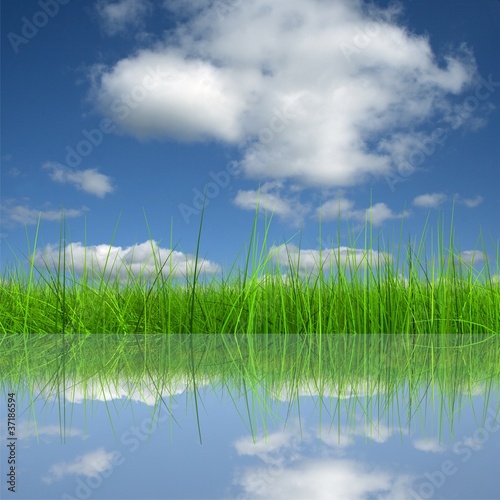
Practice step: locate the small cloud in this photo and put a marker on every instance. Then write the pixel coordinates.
(344, 208)
(336, 208)
(430, 445)
(87, 465)
(270, 199)
(122, 15)
(379, 213)
(379, 433)
(15, 172)
(29, 430)
(22, 214)
(271, 449)
(471, 256)
(469, 202)
(89, 180)
(431, 200)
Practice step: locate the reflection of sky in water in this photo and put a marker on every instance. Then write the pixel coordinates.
(313, 450)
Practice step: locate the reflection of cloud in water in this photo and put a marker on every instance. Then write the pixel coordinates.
(143, 391)
(474, 389)
(277, 448)
(324, 479)
(431, 445)
(377, 432)
(28, 430)
(285, 472)
(89, 464)
(288, 392)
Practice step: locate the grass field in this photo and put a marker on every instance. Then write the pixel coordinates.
(372, 290)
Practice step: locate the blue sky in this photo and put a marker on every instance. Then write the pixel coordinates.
(113, 109)
(149, 456)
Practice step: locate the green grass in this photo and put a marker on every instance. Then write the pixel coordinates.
(391, 379)
(360, 292)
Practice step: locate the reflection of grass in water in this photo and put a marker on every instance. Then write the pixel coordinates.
(388, 378)
(364, 293)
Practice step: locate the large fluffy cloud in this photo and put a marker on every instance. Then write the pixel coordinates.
(324, 93)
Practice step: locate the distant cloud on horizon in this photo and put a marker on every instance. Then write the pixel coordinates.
(18, 212)
(309, 260)
(123, 263)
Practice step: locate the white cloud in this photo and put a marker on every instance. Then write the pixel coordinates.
(90, 464)
(270, 199)
(136, 260)
(310, 261)
(22, 214)
(469, 202)
(288, 392)
(122, 15)
(286, 472)
(276, 448)
(324, 479)
(78, 391)
(471, 256)
(429, 200)
(377, 432)
(275, 77)
(27, 430)
(171, 96)
(430, 445)
(341, 207)
(89, 180)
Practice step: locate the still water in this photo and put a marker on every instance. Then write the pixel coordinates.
(251, 432)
